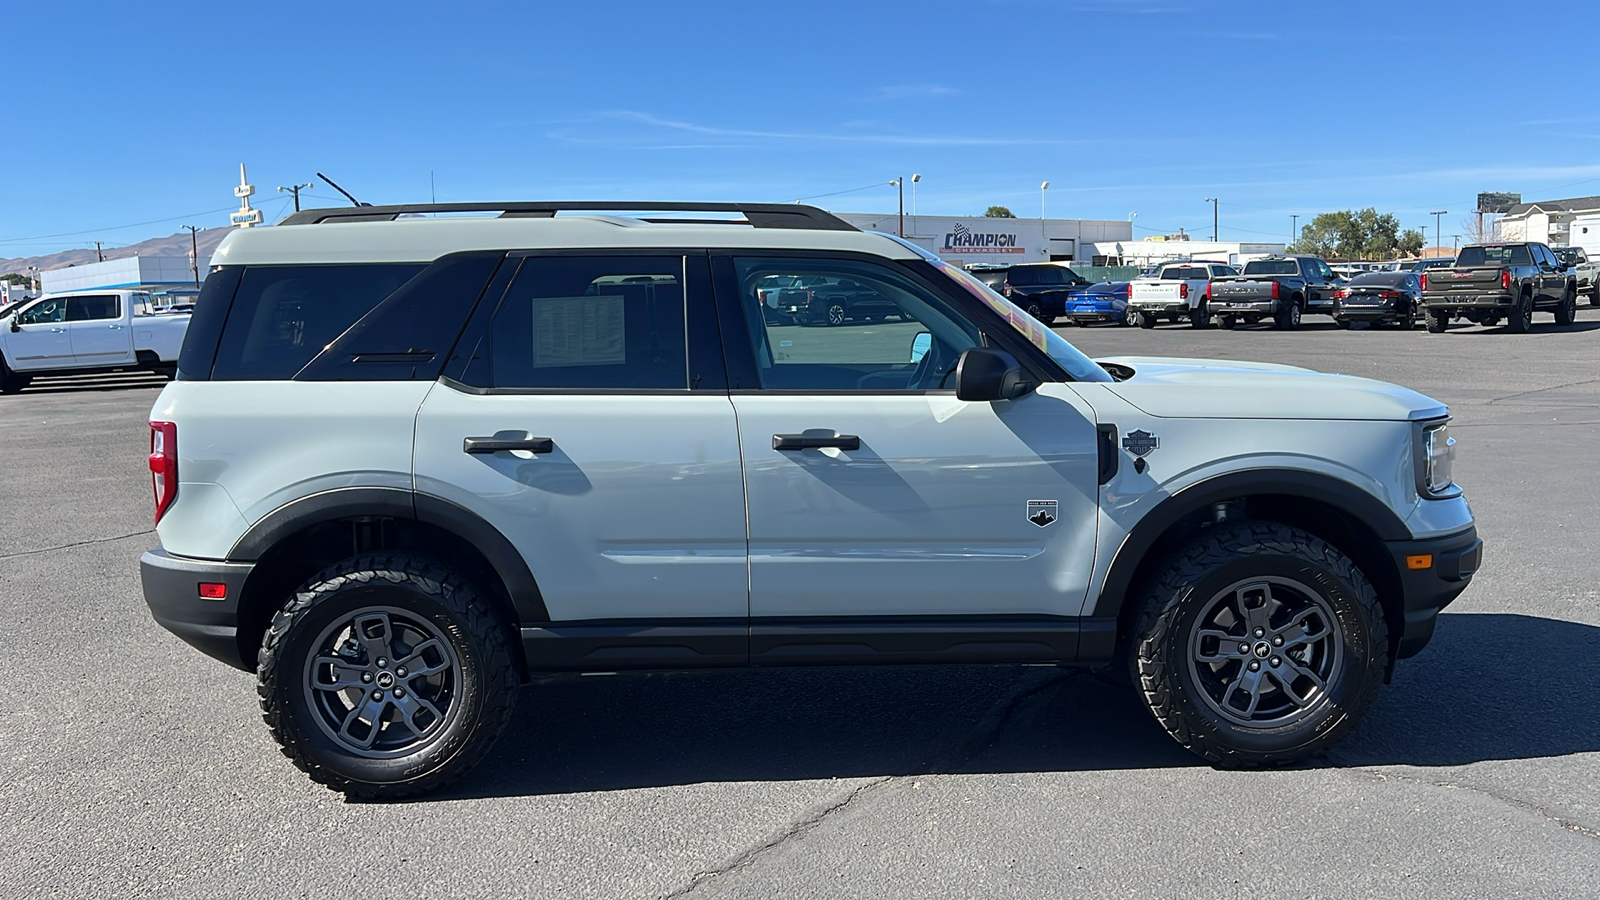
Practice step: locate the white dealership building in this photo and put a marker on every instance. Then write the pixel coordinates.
(965, 240)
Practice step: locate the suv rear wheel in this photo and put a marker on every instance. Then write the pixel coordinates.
(1259, 644)
(386, 676)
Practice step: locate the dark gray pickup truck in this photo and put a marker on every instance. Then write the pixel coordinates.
(1501, 280)
(1283, 287)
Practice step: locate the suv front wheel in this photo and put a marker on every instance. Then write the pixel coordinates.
(1259, 644)
(386, 676)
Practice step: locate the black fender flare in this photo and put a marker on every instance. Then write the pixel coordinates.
(398, 503)
(1357, 503)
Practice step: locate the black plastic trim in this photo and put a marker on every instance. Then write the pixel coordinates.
(759, 215)
(198, 354)
(171, 590)
(1456, 558)
(398, 503)
(1110, 457)
(1366, 508)
(615, 644)
(902, 640)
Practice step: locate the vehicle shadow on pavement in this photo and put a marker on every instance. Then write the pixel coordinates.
(81, 385)
(1537, 328)
(1471, 696)
(1489, 686)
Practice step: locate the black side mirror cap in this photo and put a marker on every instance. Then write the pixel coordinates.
(983, 375)
(14, 326)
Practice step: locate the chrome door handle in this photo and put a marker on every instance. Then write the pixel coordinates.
(114, 327)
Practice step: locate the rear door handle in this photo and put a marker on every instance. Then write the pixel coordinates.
(815, 441)
(495, 445)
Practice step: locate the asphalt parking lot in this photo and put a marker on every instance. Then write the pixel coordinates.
(133, 766)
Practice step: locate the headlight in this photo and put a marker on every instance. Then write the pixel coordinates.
(1438, 457)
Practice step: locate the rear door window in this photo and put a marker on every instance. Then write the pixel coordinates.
(93, 308)
(586, 323)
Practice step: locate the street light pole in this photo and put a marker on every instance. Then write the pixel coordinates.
(899, 183)
(1213, 202)
(914, 179)
(194, 252)
(1294, 229)
(1043, 186)
(1437, 238)
(295, 189)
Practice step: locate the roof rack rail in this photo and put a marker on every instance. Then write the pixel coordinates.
(759, 215)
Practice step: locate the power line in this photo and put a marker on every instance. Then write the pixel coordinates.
(42, 237)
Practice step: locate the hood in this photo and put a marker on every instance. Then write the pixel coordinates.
(1227, 389)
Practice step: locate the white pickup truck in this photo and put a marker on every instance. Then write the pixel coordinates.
(1178, 290)
(87, 331)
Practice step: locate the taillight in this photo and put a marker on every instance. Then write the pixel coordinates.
(1388, 295)
(1505, 279)
(1424, 280)
(1183, 290)
(1341, 293)
(164, 465)
(1274, 290)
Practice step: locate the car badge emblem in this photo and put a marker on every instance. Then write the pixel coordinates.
(1140, 442)
(1041, 512)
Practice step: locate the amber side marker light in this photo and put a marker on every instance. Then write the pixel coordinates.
(1421, 561)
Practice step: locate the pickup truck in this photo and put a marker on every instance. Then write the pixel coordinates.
(1509, 280)
(85, 332)
(1283, 287)
(1178, 290)
(1585, 270)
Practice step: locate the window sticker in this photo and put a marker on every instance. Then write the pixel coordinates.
(579, 331)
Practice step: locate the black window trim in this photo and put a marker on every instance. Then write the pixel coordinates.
(701, 334)
(740, 355)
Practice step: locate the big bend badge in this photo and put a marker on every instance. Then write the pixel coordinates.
(1041, 512)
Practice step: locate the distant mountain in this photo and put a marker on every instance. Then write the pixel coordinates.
(172, 245)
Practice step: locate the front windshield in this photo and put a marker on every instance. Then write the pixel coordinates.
(1068, 357)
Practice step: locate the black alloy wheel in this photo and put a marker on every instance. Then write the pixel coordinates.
(386, 676)
(1407, 319)
(1567, 312)
(1259, 644)
(1288, 316)
(1520, 316)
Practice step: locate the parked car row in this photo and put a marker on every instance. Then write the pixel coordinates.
(87, 332)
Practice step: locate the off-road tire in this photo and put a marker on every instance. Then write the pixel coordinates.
(1287, 318)
(1438, 321)
(479, 638)
(1567, 312)
(11, 382)
(1147, 320)
(1519, 318)
(1187, 583)
(1200, 317)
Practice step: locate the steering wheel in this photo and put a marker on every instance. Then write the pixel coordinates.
(933, 361)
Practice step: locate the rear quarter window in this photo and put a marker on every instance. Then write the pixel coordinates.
(283, 316)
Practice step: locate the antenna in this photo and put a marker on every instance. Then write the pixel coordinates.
(330, 181)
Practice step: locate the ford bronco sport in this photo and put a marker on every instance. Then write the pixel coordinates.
(414, 463)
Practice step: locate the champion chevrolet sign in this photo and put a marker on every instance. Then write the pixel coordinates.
(962, 239)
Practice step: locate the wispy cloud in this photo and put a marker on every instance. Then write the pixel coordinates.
(892, 92)
(648, 129)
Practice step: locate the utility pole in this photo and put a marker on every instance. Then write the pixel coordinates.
(899, 183)
(295, 189)
(914, 179)
(1294, 229)
(194, 252)
(98, 255)
(1213, 202)
(1437, 239)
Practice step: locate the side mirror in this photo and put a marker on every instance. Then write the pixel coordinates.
(920, 345)
(990, 375)
(14, 326)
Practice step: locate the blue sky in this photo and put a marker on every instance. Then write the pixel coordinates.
(140, 113)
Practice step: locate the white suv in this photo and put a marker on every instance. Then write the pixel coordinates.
(411, 462)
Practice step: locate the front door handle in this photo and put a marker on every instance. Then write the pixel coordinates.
(495, 445)
(815, 441)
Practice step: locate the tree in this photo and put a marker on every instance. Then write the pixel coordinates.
(1412, 242)
(1351, 234)
(999, 212)
(14, 278)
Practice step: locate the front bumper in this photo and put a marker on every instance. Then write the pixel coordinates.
(1467, 301)
(172, 591)
(1451, 562)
